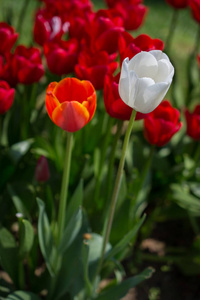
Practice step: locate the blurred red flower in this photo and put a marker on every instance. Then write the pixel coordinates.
(71, 103)
(112, 3)
(114, 105)
(6, 96)
(47, 29)
(195, 7)
(178, 4)
(130, 46)
(161, 124)
(42, 173)
(24, 66)
(103, 31)
(61, 56)
(94, 66)
(193, 122)
(8, 37)
(132, 13)
(198, 59)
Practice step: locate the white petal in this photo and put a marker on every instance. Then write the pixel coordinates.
(124, 81)
(152, 96)
(163, 70)
(158, 54)
(141, 101)
(144, 64)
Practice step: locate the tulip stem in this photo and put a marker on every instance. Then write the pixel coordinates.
(112, 158)
(143, 176)
(171, 30)
(115, 194)
(64, 186)
(102, 159)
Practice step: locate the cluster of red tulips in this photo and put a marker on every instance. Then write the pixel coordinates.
(75, 39)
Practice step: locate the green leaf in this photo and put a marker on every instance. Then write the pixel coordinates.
(71, 231)
(26, 237)
(21, 295)
(126, 240)
(118, 291)
(95, 246)
(97, 159)
(75, 202)
(85, 258)
(46, 239)
(183, 198)
(17, 151)
(20, 208)
(9, 253)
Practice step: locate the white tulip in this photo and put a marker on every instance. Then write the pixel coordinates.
(145, 80)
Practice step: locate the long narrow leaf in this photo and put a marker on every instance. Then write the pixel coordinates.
(118, 291)
(126, 240)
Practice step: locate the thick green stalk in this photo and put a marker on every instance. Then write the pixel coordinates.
(171, 30)
(64, 187)
(142, 180)
(112, 159)
(102, 159)
(113, 203)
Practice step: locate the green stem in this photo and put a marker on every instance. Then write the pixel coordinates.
(113, 203)
(142, 180)
(102, 160)
(112, 158)
(21, 277)
(64, 187)
(171, 30)
(22, 16)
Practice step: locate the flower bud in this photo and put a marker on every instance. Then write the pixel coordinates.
(42, 170)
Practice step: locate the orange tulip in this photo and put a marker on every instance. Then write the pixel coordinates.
(71, 103)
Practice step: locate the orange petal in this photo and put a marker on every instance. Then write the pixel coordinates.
(91, 101)
(51, 103)
(51, 86)
(70, 89)
(70, 116)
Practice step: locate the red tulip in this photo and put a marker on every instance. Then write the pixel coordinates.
(94, 66)
(8, 37)
(6, 96)
(114, 105)
(112, 3)
(48, 29)
(193, 123)
(130, 46)
(104, 31)
(71, 103)
(195, 7)
(132, 14)
(178, 4)
(161, 124)
(42, 170)
(24, 66)
(61, 56)
(198, 59)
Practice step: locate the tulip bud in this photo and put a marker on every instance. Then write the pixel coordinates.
(42, 170)
(193, 123)
(145, 80)
(6, 96)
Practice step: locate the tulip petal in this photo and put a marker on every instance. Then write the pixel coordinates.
(70, 89)
(124, 81)
(70, 116)
(163, 71)
(51, 103)
(91, 102)
(144, 64)
(147, 100)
